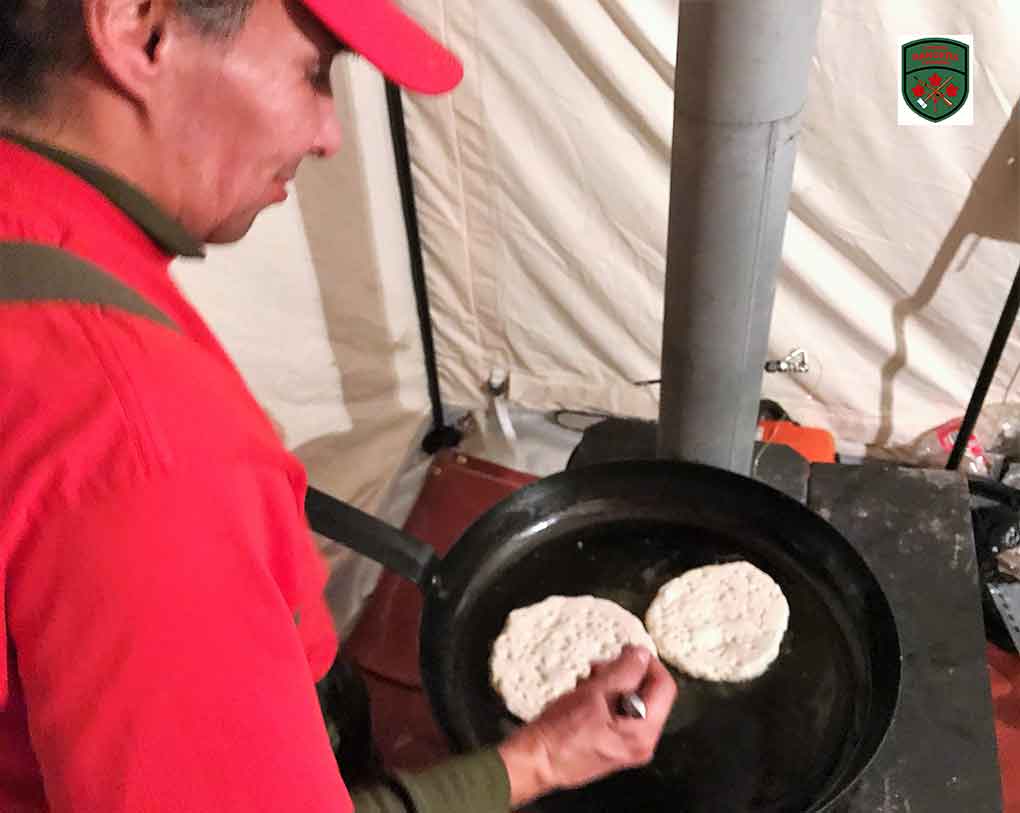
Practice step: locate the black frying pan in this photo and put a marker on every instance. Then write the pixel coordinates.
(794, 739)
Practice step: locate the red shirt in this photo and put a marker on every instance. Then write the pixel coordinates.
(161, 609)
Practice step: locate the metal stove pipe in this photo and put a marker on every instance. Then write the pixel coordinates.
(741, 83)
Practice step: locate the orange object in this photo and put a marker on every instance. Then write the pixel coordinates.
(817, 445)
(1004, 673)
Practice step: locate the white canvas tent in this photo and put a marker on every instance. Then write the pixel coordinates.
(542, 190)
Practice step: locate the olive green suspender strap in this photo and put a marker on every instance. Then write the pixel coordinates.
(30, 272)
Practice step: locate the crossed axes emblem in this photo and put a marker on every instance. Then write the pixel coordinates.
(936, 93)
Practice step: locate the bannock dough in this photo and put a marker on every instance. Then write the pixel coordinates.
(721, 622)
(546, 648)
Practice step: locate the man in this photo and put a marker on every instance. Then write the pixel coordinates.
(161, 606)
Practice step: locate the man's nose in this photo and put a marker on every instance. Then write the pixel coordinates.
(330, 135)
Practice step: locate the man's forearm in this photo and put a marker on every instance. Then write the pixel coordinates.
(475, 783)
(527, 766)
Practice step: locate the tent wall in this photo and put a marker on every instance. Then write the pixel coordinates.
(542, 187)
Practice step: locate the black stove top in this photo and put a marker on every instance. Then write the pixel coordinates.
(913, 529)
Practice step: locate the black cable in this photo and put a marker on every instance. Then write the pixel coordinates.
(440, 435)
(984, 380)
(994, 490)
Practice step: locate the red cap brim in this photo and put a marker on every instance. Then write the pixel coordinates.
(384, 35)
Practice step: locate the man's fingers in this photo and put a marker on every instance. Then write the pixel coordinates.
(585, 737)
(658, 691)
(626, 673)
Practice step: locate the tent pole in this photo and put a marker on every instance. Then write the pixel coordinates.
(984, 380)
(741, 82)
(441, 435)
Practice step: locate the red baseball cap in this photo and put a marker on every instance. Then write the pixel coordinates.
(384, 35)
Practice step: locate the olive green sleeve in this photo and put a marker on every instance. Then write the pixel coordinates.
(475, 783)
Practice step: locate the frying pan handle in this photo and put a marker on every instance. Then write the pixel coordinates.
(369, 536)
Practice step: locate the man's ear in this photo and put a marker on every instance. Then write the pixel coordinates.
(127, 37)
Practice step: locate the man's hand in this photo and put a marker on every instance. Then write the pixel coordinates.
(582, 737)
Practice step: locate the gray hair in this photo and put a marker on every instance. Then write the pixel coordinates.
(42, 40)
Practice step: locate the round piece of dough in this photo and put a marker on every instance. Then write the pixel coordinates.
(546, 648)
(721, 622)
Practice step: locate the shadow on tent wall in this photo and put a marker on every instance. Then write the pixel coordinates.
(337, 217)
(354, 463)
(992, 209)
